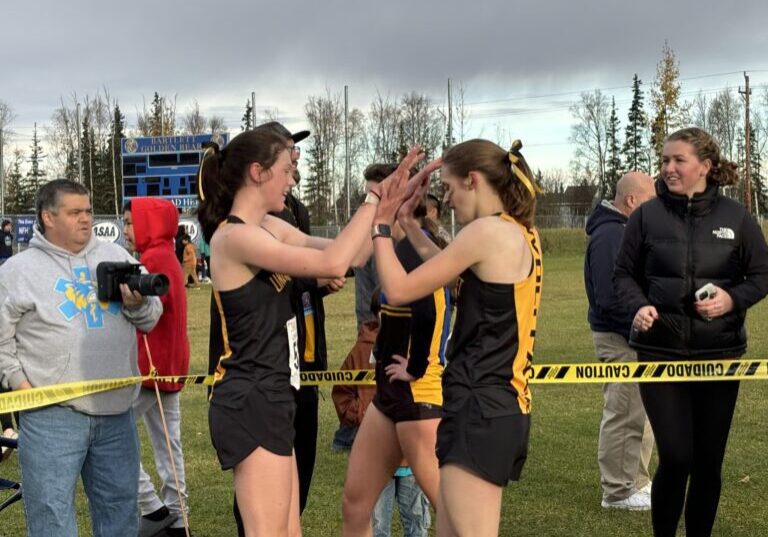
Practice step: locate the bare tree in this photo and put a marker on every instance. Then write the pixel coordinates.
(216, 124)
(420, 123)
(143, 121)
(700, 110)
(553, 181)
(326, 120)
(358, 149)
(590, 134)
(7, 116)
(760, 123)
(271, 114)
(193, 122)
(460, 112)
(383, 129)
(725, 117)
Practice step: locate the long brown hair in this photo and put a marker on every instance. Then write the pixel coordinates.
(222, 173)
(496, 165)
(723, 172)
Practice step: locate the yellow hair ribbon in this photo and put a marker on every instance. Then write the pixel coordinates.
(200, 172)
(514, 159)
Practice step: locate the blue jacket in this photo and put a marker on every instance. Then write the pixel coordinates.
(607, 313)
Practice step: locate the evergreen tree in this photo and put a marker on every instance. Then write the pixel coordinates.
(117, 133)
(613, 168)
(634, 149)
(759, 194)
(669, 113)
(87, 151)
(316, 188)
(247, 117)
(35, 176)
(102, 197)
(14, 185)
(70, 167)
(160, 119)
(107, 176)
(156, 116)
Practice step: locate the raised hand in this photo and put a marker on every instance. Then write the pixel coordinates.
(393, 189)
(418, 186)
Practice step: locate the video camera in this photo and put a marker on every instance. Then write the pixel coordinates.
(110, 275)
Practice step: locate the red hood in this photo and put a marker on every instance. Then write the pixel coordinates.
(155, 221)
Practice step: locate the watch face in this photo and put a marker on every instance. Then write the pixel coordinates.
(382, 230)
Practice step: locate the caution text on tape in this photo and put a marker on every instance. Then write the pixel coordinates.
(573, 373)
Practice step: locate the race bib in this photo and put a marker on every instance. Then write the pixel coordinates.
(293, 352)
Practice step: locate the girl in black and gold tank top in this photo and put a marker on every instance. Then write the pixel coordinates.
(402, 420)
(254, 257)
(483, 436)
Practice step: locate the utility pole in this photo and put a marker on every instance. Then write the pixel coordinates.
(346, 148)
(253, 109)
(747, 149)
(449, 134)
(162, 116)
(448, 144)
(79, 151)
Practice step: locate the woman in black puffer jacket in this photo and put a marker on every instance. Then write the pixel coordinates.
(690, 235)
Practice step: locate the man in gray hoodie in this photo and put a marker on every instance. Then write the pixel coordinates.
(53, 330)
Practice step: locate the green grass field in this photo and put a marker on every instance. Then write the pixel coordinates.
(559, 494)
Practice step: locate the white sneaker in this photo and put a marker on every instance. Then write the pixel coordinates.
(637, 501)
(647, 488)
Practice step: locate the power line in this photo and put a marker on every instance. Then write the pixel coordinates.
(577, 92)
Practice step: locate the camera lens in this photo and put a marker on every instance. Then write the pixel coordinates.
(149, 284)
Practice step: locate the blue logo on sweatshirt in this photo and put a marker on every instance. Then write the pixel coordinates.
(81, 298)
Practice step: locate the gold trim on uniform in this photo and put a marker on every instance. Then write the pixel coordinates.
(527, 303)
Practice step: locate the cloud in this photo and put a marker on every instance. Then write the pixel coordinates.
(218, 52)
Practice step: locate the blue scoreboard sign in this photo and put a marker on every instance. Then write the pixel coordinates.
(164, 166)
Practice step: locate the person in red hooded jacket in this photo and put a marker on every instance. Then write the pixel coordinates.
(150, 227)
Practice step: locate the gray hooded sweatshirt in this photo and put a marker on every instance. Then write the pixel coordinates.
(53, 329)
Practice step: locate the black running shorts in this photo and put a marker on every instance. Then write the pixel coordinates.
(493, 448)
(258, 420)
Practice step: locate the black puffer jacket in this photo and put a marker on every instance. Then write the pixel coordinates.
(672, 246)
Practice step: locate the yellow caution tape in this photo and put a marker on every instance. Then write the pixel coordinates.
(17, 401)
(575, 373)
(650, 372)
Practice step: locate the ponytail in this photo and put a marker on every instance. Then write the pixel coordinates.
(506, 171)
(215, 201)
(725, 173)
(222, 173)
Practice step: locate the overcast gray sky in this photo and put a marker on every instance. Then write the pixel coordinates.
(502, 51)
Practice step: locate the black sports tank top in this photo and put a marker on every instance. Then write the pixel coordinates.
(258, 338)
(491, 349)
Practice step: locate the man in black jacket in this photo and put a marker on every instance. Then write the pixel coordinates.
(626, 439)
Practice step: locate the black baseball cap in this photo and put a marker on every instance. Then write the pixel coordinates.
(280, 129)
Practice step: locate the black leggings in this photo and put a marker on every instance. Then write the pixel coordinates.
(691, 421)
